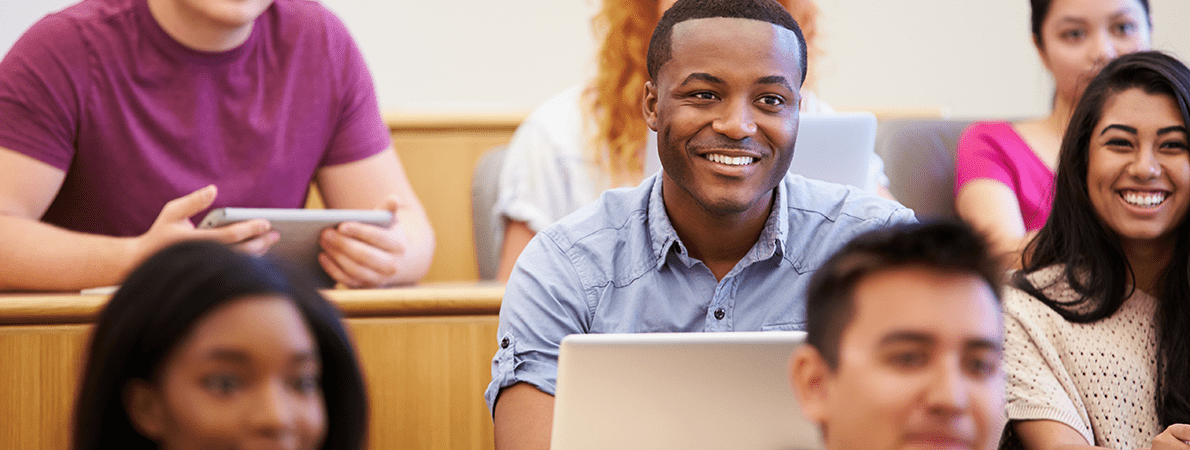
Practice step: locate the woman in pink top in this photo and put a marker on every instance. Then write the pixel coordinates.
(1004, 171)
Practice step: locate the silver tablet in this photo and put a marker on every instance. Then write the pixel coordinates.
(299, 230)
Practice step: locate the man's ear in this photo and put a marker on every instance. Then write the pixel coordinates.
(809, 375)
(146, 408)
(649, 105)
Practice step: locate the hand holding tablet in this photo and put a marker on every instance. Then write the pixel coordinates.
(299, 231)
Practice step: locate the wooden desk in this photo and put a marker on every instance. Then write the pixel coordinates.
(426, 353)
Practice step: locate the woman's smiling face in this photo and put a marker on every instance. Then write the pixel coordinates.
(1138, 173)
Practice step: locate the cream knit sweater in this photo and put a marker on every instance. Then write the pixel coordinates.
(1098, 378)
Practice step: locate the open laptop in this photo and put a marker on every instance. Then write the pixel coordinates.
(679, 391)
(836, 147)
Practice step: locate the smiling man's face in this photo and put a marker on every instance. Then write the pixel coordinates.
(725, 108)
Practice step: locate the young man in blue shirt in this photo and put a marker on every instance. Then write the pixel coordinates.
(720, 240)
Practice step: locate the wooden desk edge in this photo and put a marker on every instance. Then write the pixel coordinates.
(455, 299)
(434, 300)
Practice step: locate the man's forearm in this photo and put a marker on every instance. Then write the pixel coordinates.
(420, 251)
(38, 256)
(523, 418)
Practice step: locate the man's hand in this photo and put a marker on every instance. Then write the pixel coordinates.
(173, 225)
(360, 255)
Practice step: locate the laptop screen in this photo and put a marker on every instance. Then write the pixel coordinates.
(836, 147)
(679, 390)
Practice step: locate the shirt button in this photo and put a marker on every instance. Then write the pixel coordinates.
(504, 343)
(719, 314)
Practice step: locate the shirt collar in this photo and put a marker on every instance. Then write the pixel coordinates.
(772, 238)
(661, 231)
(776, 229)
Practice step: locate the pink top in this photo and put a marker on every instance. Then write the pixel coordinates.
(135, 119)
(994, 151)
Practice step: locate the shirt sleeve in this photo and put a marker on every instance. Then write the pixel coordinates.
(1038, 386)
(543, 303)
(981, 155)
(901, 216)
(359, 132)
(41, 80)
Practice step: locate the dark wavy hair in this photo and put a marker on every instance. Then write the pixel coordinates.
(1096, 267)
(1040, 10)
(660, 48)
(157, 307)
(946, 246)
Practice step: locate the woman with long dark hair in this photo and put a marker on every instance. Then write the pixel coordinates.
(1097, 321)
(203, 347)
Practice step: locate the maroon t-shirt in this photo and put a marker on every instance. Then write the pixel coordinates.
(136, 119)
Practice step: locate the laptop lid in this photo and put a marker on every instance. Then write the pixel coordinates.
(679, 390)
(836, 147)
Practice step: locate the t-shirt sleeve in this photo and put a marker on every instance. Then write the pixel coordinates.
(1038, 386)
(876, 176)
(530, 177)
(981, 155)
(359, 132)
(41, 80)
(543, 303)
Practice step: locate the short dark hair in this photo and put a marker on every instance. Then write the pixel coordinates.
(947, 246)
(661, 49)
(1076, 237)
(159, 304)
(1040, 10)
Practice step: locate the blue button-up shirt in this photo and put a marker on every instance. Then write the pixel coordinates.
(618, 266)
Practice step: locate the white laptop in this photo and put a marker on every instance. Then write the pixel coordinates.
(679, 391)
(836, 147)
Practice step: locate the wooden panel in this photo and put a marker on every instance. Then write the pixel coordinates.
(439, 154)
(38, 373)
(426, 378)
(314, 198)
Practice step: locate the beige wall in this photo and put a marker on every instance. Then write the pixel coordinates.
(971, 56)
(974, 56)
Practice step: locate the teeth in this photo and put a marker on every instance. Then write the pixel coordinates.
(1143, 199)
(729, 160)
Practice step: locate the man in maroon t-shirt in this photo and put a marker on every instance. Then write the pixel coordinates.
(120, 120)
